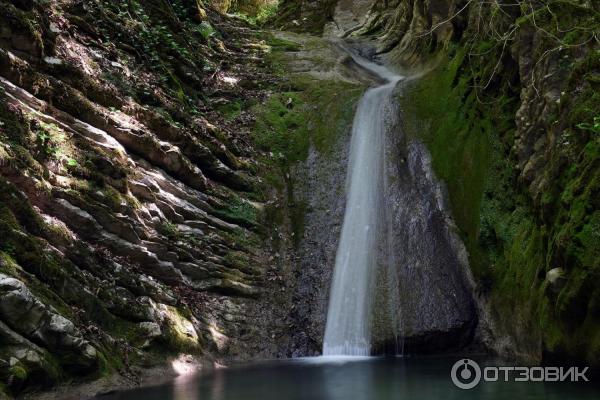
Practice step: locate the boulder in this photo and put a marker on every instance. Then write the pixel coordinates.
(24, 313)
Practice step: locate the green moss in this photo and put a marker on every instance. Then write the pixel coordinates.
(589, 240)
(23, 22)
(18, 372)
(281, 129)
(49, 138)
(10, 267)
(108, 365)
(514, 238)
(280, 44)
(241, 212)
(175, 338)
(119, 356)
(52, 278)
(459, 136)
(169, 230)
(288, 123)
(303, 112)
(17, 211)
(13, 126)
(243, 239)
(230, 110)
(257, 14)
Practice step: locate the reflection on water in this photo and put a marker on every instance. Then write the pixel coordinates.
(185, 387)
(346, 378)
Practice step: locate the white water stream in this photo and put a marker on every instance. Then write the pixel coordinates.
(349, 317)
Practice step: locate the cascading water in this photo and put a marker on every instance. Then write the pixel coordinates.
(349, 318)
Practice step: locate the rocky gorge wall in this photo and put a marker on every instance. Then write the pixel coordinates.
(507, 104)
(134, 218)
(517, 147)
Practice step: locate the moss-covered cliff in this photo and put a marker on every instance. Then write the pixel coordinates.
(509, 107)
(306, 125)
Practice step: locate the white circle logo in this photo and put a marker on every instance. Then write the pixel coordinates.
(465, 374)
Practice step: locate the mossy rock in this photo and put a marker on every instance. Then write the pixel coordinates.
(513, 237)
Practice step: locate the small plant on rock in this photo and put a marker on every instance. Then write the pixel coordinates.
(593, 127)
(48, 137)
(169, 229)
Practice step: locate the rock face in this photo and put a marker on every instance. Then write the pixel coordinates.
(435, 301)
(316, 183)
(32, 319)
(132, 215)
(306, 15)
(320, 186)
(348, 16)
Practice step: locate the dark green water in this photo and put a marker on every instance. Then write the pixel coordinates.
(369, 379)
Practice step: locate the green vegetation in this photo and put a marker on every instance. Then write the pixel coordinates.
(153, 63)
(231, 110)
(239, 211)
(458, 139)
(516, 233)
(205, 30)
(279, 45)
(281, 129)
(12, 124)
(316, 112)
(166, 37)
(24, 254)
(303, 111)
(47, 140)
(169, 229)
(593, 127)
(261, 16)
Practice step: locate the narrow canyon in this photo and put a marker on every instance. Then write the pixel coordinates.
(191, 185)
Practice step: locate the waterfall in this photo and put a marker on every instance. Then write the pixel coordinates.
(349, 317)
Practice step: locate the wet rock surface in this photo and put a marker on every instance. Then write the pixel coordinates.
(435, 290)
(320, 186)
